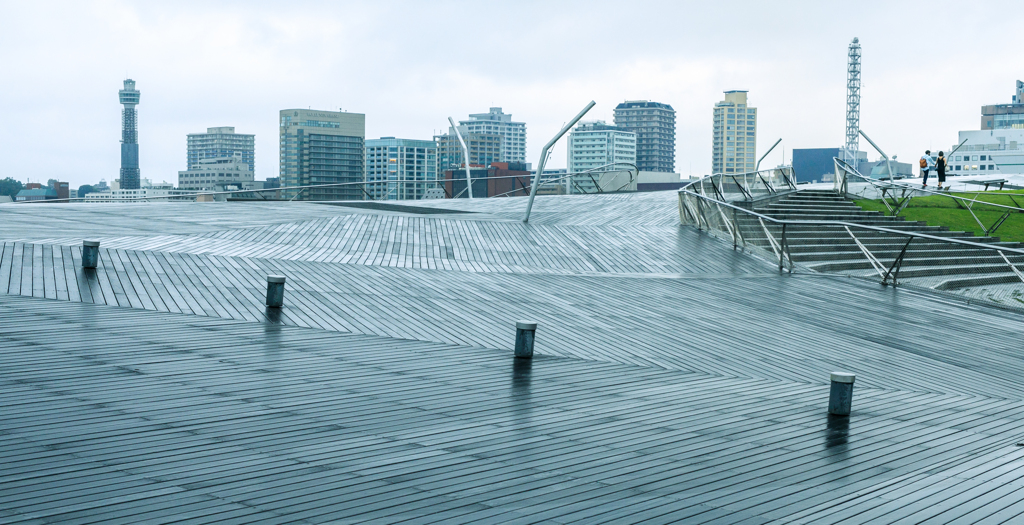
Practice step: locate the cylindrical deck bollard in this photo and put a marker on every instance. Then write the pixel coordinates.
(90, 254)
(525, 331)
(840, 398)
(275, 291)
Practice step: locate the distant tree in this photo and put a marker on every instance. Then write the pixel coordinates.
(85, 189)
(52, 183)
(9, 186)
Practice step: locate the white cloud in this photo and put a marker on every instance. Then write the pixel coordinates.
(410, 65)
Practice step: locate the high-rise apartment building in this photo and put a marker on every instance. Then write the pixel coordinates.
(495, 122)
(323, 147)
(735, 135)
(484, 149)
(655, 126)
(400, 169)
(595, 144)
(129, 98)
(221, 142)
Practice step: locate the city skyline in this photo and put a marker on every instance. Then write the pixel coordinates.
(794, 59)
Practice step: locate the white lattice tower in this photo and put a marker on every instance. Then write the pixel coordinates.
(853, 103)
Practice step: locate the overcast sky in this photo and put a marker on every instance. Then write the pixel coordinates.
(927, 69)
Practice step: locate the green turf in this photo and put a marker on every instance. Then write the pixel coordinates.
(937, 210)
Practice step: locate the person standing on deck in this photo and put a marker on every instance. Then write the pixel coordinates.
(940, 169)
(927, 163)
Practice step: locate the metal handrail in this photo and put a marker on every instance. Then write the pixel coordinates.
(842, 186)
(784, 171)
(193, 193)
(853, 225)
(876, 183)
(635, 175)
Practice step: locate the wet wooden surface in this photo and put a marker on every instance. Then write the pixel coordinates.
(675, 381)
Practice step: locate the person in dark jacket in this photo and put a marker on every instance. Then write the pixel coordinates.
(940, 170)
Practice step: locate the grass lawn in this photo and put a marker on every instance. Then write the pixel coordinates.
(941, 211)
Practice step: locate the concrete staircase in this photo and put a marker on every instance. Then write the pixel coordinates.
(932, 263)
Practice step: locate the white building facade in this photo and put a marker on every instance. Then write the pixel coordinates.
(988, 151)
(496, 122)
(400, 169)
(594, 144)
(221, 142)
(216, 173)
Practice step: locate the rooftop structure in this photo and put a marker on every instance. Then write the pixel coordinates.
(129, 97)
(655, 126)
(676, 379)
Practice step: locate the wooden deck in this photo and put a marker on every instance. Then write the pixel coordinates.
(677, 380)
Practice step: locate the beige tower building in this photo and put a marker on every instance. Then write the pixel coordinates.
(735, 135)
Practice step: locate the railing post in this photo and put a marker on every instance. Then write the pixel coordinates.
(782, 247)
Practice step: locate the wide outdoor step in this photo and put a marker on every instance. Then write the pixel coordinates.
(957, 283)
(922, 267)
(978, 254)
(752, 222)
(812, 208)
(853, 212)
(835, 243)
(844, 217)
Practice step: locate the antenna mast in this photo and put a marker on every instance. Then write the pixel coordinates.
(853, 104)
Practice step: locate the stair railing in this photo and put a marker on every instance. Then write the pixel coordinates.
(887, 255)
(896, 196)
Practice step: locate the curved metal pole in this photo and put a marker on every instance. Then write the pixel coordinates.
(758, 167)
(544, 157)
(465, 151)
(888, 165)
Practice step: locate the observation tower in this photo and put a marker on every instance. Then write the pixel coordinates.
(129, 97)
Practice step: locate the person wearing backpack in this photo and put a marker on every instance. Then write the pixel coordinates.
(926, 163)
(940, 169)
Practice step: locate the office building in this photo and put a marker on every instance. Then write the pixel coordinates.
(1005, 116)
(129, 97)
(996, 149)
(217, 174)
(323, 147)
(484, 149)
(655, 126)
(988, 152)
(139, 195)
(400, 169)
(734, 147)
(495, 122)
(221, 142)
